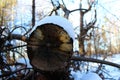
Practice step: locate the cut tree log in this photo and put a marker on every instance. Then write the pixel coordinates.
(49, 47)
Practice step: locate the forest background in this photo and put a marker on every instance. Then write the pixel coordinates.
(96, 24)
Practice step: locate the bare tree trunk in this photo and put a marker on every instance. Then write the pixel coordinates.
(33, 13)
(81, 38)
(85, 28)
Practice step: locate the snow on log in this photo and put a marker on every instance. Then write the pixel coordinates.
(60, 21)
(50, 44)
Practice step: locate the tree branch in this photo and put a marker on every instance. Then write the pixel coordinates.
(96, 61)
(89, 8)
(54, 8)
(18, 37)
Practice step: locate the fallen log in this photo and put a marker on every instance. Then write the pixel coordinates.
(50, 47)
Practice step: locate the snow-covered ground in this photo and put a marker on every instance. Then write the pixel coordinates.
(90, 76)
(109, 72)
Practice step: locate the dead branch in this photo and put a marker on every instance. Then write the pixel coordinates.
(67, 11)
(89, 8)
(18, 37)
(55, 8)
(11, 73)
(90, 24)
(95, 60)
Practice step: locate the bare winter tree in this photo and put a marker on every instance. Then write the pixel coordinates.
(84, 28)
(33, 13)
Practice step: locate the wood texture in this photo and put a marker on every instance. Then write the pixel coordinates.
(49, 47)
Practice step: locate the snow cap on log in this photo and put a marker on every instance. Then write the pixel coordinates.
(50, 44)
(60, 21)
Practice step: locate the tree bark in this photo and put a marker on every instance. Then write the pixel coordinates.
(18, 37)
(49, 49)
(33, 13)
(82, 33)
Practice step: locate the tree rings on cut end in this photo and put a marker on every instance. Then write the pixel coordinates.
(49, 47)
